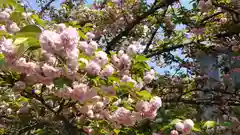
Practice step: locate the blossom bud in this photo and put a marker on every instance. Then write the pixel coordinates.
(93, 68)
(90, 114)
(156, 102)
(88, 130)
(99, 105)
(20, 85)
(90, 35)
(179, 126)
(174, 132)
(60, 27)
(188, 123)
(132, 49)
(120, 53)
(107, 71)
(4, 15)
(125, 59)
(101, 58)
(148, 78)
(9, 111)
(12, 27)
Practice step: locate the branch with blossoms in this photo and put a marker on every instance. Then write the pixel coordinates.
(78, 71)
(138, 19)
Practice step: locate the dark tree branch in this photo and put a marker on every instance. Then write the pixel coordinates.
(167, 49)
(200, 102)
(209, 17)
(225, 8)
(153, 34)
(151, 39)
(138, 19)
(45, 7)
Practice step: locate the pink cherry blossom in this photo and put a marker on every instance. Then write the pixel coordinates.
(125, 60)
(12, 27)
(107, 71)
(90, 35)
(50, 71)
(93, 68)
(116, 61)
(179, 126)
(156, 102)
(188, 123)
(148, 78)
(101, 58)
(123, 116)
(143, 106)
(50, 41)
(60, 27)
(88, 130)
(132, 49)
(174, 132)
(4, 15)
(69, 38)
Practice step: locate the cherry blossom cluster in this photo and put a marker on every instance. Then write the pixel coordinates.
(63, 55)
(183, 127)
(10, 26)
(180, 128)
(205, 5)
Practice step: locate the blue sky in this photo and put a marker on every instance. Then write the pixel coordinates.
(185, 3)
(33, 3)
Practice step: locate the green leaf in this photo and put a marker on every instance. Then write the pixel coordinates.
(60, 82)
(22, 99)
(88, 25)
(29, 31)
(31, 28)
(21, 49)
(2, 60)
(82, 35)
(179, 59)
(20, 40)
(173, 122)
(196, 128)
(13, 3)
(112, 78)
(16, 16)
(125, 105)
(140, 58)
(145, 95)
(116, 131)
(3, 33)
(209, 124)
(227, 124)
(38, 20)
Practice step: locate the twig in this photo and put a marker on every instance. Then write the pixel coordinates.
(45, 7)
(138, 19)
(167, 49)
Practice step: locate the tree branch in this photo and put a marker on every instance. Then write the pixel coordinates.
(167, 49)
(151, 39)
(138, 19)
(209, 17)
(154, 33)
(225, 8)
(45, 7)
